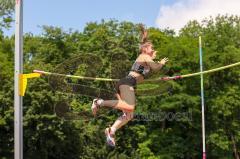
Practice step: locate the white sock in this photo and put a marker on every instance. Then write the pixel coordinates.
(100, 102)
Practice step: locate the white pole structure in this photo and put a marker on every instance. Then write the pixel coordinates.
(18, 128)
(202, 100)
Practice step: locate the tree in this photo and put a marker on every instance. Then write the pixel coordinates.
(6, 11)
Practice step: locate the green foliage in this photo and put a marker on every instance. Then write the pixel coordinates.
(6, 10)
(107, 49)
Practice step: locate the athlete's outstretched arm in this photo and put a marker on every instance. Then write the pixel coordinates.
(155, 66)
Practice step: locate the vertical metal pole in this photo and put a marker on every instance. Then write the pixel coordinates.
(18, 131)
(202, 100)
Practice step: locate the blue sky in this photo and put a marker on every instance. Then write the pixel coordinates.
(76, 13)
(173, 14)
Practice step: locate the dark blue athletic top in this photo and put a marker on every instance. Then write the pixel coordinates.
(143, 70)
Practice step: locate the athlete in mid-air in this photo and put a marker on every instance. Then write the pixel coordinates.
(126, 87)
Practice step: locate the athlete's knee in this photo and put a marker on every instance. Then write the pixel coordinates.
(130, 108)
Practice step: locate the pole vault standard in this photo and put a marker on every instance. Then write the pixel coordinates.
(202, 100)
(18, 61)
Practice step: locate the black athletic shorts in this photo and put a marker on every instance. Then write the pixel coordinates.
(128, 80)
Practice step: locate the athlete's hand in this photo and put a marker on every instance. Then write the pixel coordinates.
(163, 61)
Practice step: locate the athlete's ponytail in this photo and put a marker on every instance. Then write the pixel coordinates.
(144, 34)
(144, 42)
